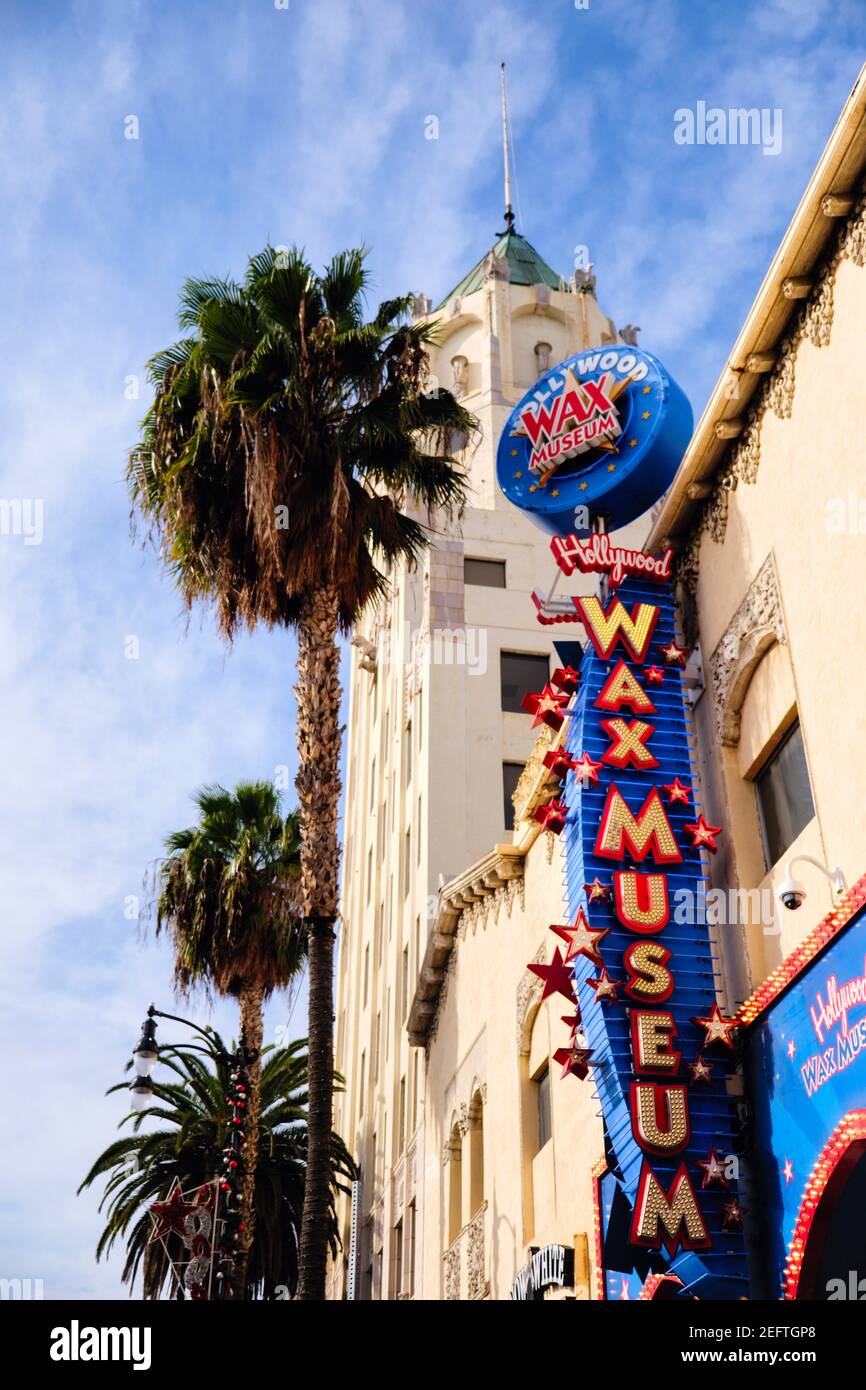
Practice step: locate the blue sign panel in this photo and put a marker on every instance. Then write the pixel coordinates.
(605, 429)
(712, 1264)
(807, 1072)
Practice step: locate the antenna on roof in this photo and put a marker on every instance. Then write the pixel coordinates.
(509, 215)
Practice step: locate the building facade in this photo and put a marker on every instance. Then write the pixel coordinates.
(483, 1173)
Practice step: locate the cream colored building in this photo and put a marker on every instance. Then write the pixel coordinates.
(435, 742)
(473, 1153)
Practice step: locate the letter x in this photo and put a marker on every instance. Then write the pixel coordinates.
(628, 743)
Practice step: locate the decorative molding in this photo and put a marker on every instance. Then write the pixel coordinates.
(757, 625)
(813, 321)
(528, 794)
(451, 1259)
(478, 1285)
(528, 993)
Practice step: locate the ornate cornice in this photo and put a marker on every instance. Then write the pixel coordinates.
(741, 463)
(490, 879)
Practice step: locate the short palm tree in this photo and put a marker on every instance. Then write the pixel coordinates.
(287, 445)
(142, 1168)
(227, 895)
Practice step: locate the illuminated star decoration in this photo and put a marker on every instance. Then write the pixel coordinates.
(566, 679)
(700, 1070)
(714, 1169)
(583, 940)
(791, 1049)
(585, 770)
(597, 891)
(573, 1060)
(556, 976)
(169, 1215)
(547, 706)
(674, 655)
(703, 835)
(551, 816)
(788, 1171)
(605, 987)
(655, 675)
(732, 1214)
(677, 790)
(558, 761)
(718, 1028)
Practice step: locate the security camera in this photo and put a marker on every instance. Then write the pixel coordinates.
(791, 894)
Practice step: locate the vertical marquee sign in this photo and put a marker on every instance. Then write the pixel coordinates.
(638, 975)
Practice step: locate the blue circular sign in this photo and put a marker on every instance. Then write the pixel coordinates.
(605, 429)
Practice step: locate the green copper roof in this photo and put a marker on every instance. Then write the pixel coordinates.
(527, 267)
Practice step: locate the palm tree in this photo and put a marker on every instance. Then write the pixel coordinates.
(227, 894)
(287, 444)
(143, 1167)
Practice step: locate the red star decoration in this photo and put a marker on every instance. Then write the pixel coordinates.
(547, 707)
(677, 790)
(703, 835)
(718, 1028)
(674, 655)
(566, 679)
(655, 675)
(788, 1171)
(556, 976)
(598, 892)
(700, 1070)
(551, 816)
(585, 770)
(559, 762)
(583, 940)
(573, 1020)
(605, 987)
(573, 1060)
(170, 1215)
(714, 1169)
(732, 1214)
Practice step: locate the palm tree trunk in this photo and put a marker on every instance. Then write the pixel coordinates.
(251, 1040)
(318, 787)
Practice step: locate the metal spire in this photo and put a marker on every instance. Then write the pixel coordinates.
(509, 215)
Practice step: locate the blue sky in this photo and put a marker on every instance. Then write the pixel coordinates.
(302, 124)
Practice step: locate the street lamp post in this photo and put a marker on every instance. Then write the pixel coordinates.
(145, 1055)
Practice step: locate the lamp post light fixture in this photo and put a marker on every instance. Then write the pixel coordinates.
(143, 1092)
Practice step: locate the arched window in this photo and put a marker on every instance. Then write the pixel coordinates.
(476, 1154)
(455, 1185)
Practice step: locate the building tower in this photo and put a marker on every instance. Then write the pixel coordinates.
(437, 737)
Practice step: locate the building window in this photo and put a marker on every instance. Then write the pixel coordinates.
(785, 803)
(521, 673)
(408, 753)
(542, 1090)
(489, 574)
(405, 980)
(407, 861)
(376, 1036)
(410, 1252)
(366, 973)
(363, 1082)
(418, 835)
(510, 777)
(455, 1186)
(369, 871)
(397, 1260)
(402, 1138)
(476, 1154)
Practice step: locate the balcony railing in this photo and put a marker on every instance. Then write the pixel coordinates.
(464, 1261)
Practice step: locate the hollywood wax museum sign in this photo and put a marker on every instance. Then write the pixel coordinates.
(641, 1023)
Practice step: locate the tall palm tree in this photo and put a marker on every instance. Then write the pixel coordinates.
(227, 894)
(287, 444)
(143, 1167)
